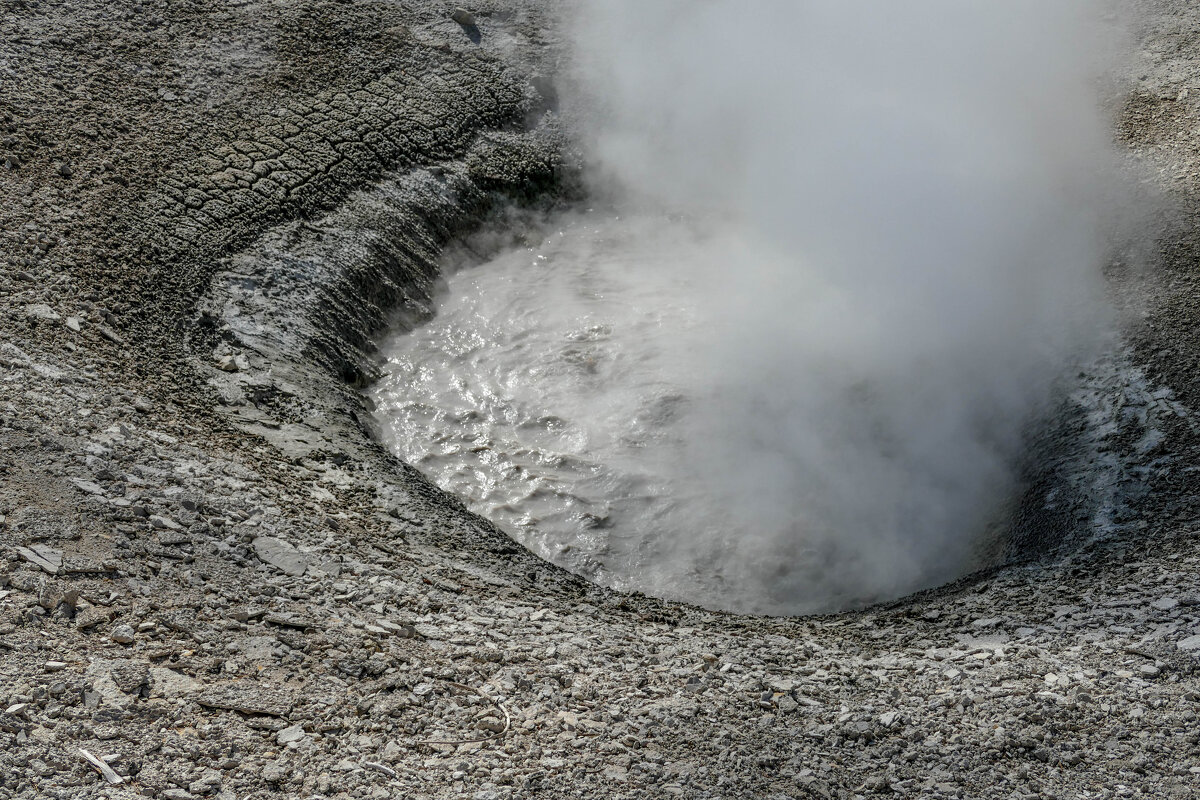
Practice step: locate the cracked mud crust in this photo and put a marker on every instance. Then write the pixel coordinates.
(214, 583)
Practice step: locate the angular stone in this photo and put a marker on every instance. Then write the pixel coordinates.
(164, 523)
(246, 699)
(890, 719)
(397, 629)
(88, 486)
(1190, 644)
(281, 555)
(293, 733)
(122, 634)
(41, 311)
(49, 559)
(285, 620)
(93, 616)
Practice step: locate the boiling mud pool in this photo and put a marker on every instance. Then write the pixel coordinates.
(552, 393)
(661, 405)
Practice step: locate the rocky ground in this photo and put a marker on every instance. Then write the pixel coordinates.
(215, 584)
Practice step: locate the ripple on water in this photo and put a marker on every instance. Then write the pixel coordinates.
(549, 391)
(672, 407)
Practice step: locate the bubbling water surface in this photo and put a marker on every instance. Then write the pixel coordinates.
(566, 391)
(548, 393)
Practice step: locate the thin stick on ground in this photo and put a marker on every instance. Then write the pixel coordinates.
(485, 696)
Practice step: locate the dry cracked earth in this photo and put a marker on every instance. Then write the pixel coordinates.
(215, 583)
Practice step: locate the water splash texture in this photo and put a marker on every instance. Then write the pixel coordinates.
(858, 248)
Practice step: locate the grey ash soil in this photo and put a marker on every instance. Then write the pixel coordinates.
(215, 581)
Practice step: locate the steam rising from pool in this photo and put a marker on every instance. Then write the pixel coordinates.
(851, 250)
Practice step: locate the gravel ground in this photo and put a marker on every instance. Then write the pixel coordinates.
(214, 583)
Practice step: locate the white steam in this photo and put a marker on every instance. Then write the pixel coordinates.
(911, 201)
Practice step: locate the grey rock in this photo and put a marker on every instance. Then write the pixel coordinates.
(396, 628)
(91, 617)
(41, 311)
(247, 699)
(281, 555)
(293, 733)
(122, 634)
(1190, 644)
(462, 16)
(288, 620)
(274, 772)
(47, 558)
(164, 523)
(890, 719)
(88, 486)
(110, 335)
(207, 783)
(490, 724)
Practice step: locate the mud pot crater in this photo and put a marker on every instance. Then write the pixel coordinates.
(562, 389)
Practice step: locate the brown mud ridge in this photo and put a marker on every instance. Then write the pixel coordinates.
(214, 583)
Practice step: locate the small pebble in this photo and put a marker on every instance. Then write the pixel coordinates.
(122, 634)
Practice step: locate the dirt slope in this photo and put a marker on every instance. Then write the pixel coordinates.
(217, 583)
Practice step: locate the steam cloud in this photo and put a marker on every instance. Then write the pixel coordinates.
(913, 203)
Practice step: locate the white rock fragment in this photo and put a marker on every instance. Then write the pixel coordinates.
(88, 486)
(293, 733)
(164, 523)
(381, 768)
(41, 311)
(1190, 644)
(47, 558)
(104, 769)
(281, 555)
(122, 634)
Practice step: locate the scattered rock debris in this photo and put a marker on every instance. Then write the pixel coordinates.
(210, 208)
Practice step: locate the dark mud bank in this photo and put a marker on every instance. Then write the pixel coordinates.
(285, 334)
